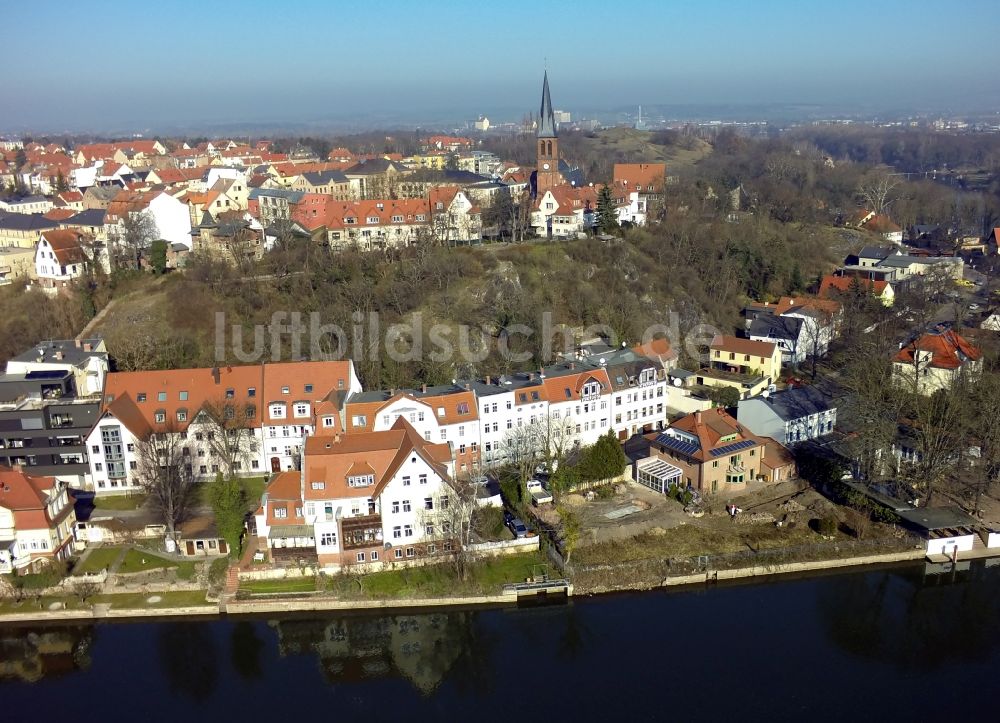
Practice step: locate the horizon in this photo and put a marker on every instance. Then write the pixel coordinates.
(798, 58)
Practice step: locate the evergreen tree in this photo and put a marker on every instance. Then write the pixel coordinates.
(603, 460)
(229, 505)
(607, 214)
(61, 184)
(796, 282)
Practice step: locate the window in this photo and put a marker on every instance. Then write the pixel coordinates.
(280, 513)
(428, 529)
(406, 480)
(95, 448)
(229, 413)
(277, 411)
(161, 396)
(374, 555)
(98, 467)
(250, 412)
(140, 397)
(361, 480)
(182, 415)
(406, 505)
(161, 416)
(301, 410)
(308, 388)
(444, 502)
(361, 557)
(252, 392)
(230, 393)
(285, 390)
(359, 420)
(319, 485)
(410, 552)
(428, 503)
(327, 421)
(397, 531)
(423, 479)
(398, 554)
(463, 407)
(395, 507)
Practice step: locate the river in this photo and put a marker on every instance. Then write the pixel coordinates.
(876, 645)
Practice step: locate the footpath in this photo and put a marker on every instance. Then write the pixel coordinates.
(228, 602)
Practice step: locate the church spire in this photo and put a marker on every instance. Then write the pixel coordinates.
(546, 118)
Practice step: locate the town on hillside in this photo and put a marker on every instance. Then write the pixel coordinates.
(845, 403)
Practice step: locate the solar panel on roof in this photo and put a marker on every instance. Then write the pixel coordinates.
(734, 447)
(676, 444)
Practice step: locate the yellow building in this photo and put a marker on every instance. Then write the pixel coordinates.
(743, 364)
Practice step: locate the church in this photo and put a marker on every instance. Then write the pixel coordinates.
(563, 205)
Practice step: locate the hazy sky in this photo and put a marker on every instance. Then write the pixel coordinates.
(108, 64)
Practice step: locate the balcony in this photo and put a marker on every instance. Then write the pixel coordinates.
(363, 531)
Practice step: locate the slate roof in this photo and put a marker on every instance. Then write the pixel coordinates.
(90, 217)
(26, 222)
(797, 402)
(776, 327)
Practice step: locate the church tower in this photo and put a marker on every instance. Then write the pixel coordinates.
(547, 170)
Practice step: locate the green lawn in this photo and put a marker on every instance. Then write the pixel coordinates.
(100, 558)
(289, 584)
(119, 502)
(485, 577)
(118, 601)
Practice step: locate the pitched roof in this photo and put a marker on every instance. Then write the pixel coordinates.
(725, 342)
(331, 460)
(842, 284)
(66, 245)
(658, 349)
(710, 428)
(26, 222)
(797, 304)
(776, 327)
(546, 115)
(797, 402)
(448, 405)
(948, 349)
(633, 175)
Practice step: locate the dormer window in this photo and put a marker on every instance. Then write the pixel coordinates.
(277, 411)
(182, 415)
(363, 480)
(309, 388)
(252, 392)
(285, 390)
(327, 421)
(463, 407)
(440, 411)
(250, 412)
(140, 397)
(160, 416)
(301, 409)
(373, 219)
(230, 393)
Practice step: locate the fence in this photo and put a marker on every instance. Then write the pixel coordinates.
(652, 571)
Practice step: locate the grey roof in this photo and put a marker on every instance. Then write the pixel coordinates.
(27, 199)
(876, 252)
(373, 167)
(71, 353)
(318, 178)
(797, 402)
(904, 261)
(104, 193)
(26, 222)
(937, 518)
(89, 217)
(292, 196)
(770, 326)
(455, 176)
(546, 116)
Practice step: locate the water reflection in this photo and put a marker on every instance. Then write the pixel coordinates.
(420, 648)
(189, 659)
(30, 654)
(914, 620)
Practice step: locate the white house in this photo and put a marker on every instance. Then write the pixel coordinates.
(362, 498)
(793, 415)
(60, 257)
(36, 520)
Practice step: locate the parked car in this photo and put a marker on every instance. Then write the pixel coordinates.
(518, 528)
(539, 495)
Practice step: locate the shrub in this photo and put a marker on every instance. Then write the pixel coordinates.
(827, 526)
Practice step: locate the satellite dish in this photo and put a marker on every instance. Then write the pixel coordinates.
(677, 381)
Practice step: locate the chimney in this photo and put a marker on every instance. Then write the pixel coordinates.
(467, 386)
(697, 417)
(423, 388)
(87, 346)
(76, 342)
(572, 366)
(489, 380)
(336, 438)
(58, 355)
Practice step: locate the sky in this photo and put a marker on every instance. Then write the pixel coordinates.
(106, 64)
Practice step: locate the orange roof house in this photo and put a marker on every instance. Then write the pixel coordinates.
(39, 515)
(642, 177)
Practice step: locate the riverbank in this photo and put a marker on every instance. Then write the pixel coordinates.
(291, 603)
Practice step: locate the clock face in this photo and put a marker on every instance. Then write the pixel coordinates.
(545, 166)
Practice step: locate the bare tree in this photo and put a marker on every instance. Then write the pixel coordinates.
(228, 426)
(524, 447)
(878, 192)
(136, 231)
(167, 476)
(450, 523)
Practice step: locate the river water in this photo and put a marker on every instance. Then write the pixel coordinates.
(878, 645)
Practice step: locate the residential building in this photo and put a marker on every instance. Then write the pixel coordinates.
(36, 520)
(271, 205)
(793, 415)
(276, 406)
(715, 453)
(376, 224)
(361, 498)
(645, 179)
(835, 287)
(49, 402)
(16, 263)
(20, 230)
(169, 215)
(935, 360)
(454, 217)
(743, 364)
(26, 204)
(61, 256)
(786, 332)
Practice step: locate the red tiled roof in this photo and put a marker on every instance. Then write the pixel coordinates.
(65, 245)
(948, 350)
(834, 284)
(710, 427)
(631, 175)
(735, 344)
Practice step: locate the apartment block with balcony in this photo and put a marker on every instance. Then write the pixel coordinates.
(49, 401)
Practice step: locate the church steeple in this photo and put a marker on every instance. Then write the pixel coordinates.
(546, 118)
(547, 169)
